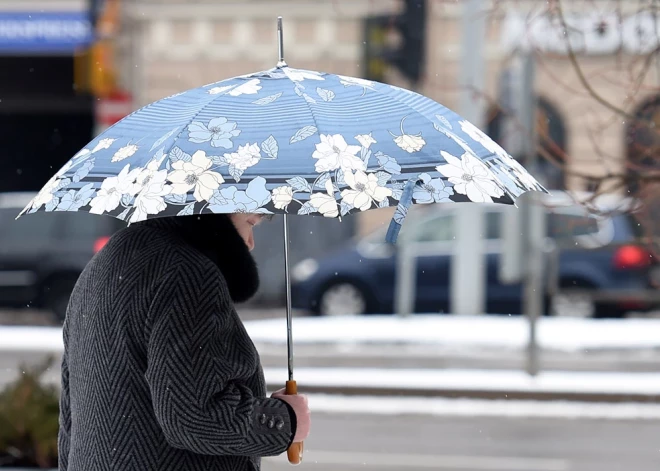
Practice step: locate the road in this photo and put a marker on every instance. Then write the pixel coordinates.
(416, 443)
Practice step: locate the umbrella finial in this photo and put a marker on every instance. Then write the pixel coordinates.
(280, 39)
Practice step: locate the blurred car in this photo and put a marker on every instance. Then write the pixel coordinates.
(595, 255)
(42, 255)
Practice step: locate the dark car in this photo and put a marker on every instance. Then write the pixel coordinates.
(42, 255)
(596, 255)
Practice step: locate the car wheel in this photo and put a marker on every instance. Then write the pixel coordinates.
(342, 298)
(56, 297)
(569, 304)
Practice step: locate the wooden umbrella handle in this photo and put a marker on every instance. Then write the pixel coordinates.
(295, 451)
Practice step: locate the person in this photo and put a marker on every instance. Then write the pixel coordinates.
(158, 371)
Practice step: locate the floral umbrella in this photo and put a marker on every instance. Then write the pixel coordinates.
(285, 141)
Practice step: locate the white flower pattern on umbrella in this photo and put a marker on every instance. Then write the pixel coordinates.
(147, 173)
(298, 75)
(354, 81)
(333, 153)
(80, 154)
(470, 177)
(432, 190)
(282, 197)
(482, 138)
(246, 156)
(325, 203)
(519, 172)
(150, 201)
(195, 174)
(219, 90)
(364, 190)
(45, 195)
(366, 140)
(113, 188)
(504, 175)
(219, 131)
(409, 142)
(125, 152)
(251, 87)
(103, 144)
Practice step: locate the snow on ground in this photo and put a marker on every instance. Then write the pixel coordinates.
(31, 338)
(492, 332)
(561, 334)
(441, 407)
(475, 380)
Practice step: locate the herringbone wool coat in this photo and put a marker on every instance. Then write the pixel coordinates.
(158, 371)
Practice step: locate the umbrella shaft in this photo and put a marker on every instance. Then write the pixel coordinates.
(289, 316)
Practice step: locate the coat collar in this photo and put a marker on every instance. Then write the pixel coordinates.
(215, 236)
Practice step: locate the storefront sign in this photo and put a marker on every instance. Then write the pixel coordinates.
(44, 31)
(587, 33)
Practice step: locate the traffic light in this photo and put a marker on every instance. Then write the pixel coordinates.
(409, 52)
(95, 67)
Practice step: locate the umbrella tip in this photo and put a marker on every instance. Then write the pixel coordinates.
(280, 40)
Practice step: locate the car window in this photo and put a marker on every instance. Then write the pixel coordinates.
(439, 229)
(85, 226)
(31, 227)
(493, 225)
(566, 226)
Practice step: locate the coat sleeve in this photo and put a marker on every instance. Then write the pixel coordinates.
(191, 366)
(64, 436)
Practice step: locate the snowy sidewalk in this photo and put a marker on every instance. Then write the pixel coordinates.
(447, 331)
(491, 332)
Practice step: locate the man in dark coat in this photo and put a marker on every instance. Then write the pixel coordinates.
(158, 371)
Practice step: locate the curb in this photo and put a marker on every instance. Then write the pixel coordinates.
(476, 384)
(482, 394)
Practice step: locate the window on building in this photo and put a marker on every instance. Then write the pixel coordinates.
(551, 134)
(643, 142)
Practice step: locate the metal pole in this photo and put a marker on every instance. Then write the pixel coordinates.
(533, 214)
(533, 305)
(467, 266)
(289, 316)
(406, 271)
(468, 274)
(472, 61)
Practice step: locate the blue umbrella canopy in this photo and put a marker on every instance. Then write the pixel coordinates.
(288, 141)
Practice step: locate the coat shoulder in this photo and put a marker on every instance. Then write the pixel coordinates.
(171, 256)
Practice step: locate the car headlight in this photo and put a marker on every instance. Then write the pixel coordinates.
(304, 270)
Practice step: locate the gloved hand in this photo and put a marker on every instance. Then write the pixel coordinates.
(300, 407)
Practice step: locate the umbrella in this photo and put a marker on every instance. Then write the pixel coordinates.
(285, 141)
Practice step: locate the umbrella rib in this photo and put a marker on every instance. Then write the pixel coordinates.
(309, 107)
(178, 135)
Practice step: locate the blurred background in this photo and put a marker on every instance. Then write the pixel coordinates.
(490, 338)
